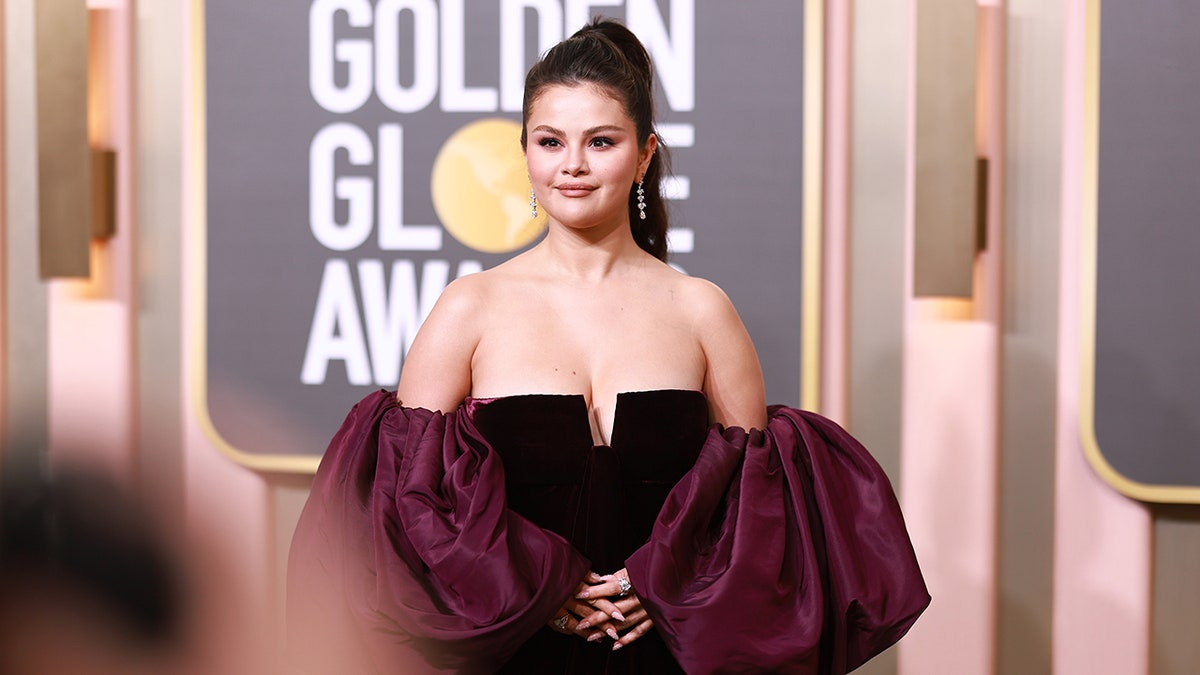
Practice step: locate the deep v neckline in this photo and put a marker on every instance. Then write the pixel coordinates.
(599, 439)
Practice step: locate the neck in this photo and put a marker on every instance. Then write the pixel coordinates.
(590, 254)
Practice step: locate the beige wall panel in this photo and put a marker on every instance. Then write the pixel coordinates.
(158, 205)
(875, 268)
(878, 147)
(1174, 648)
(1032, 204)
(25, 317)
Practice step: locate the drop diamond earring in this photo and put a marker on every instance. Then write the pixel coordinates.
(641, 200)
(532, 204)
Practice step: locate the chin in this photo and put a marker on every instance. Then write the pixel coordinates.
(582, 219)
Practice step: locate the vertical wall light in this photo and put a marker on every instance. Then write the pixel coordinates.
(100, 49)
(64, 159)
(946, 190)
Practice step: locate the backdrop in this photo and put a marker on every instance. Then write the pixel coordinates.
(1147, 359)
(362, 154)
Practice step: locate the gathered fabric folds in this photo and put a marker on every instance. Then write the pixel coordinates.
(406, 557)
(780, 550)
(784, 551)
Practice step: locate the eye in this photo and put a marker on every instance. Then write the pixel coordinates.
(548, 142)
(602, 141)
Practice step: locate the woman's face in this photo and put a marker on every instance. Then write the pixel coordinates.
(583, 156)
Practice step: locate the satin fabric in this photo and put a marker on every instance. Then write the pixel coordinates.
(782, 551)
(444, 542)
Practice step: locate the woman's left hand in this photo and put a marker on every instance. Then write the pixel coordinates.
(632, 622)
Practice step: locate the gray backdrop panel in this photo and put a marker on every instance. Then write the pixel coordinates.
(1147, 406)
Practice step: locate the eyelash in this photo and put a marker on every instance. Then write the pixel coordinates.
(602, 141)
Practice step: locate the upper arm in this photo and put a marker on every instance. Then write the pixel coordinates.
(733, 379)
(436, 374)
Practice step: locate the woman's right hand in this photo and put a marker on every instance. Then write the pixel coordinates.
(598, 612)
(628, 615)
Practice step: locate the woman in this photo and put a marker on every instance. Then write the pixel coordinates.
(563, 483)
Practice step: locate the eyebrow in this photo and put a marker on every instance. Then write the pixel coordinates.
(587, 132)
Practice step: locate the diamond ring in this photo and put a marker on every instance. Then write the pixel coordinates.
(625, 586)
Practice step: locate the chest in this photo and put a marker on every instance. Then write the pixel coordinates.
(597, 347)
(588, 333)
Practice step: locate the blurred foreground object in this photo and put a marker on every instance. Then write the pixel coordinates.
(87, 584)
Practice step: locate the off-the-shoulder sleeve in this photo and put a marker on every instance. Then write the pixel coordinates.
(783, 550)
(406, 557)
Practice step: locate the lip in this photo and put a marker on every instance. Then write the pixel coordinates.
(574, 189)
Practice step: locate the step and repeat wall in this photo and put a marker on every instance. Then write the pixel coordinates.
(362, 154)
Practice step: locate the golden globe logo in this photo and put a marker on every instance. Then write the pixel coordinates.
(480, 189)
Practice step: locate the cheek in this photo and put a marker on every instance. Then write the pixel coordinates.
(618, 172)
(539, 169)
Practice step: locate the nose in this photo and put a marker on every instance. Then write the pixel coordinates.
(576, 162)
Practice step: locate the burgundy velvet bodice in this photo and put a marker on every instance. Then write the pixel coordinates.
(603, 499)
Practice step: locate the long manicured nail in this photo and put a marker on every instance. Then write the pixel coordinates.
(583, 624)
(617, 646)
(612, 633)
(581, 594)
(618, 615)
(595, 636)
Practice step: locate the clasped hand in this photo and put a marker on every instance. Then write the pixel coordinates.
(597, 609)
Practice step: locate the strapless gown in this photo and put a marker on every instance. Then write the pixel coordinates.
(445, 542)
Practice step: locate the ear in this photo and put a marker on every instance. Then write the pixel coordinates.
(646, 155)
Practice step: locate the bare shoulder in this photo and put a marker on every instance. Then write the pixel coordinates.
(437, 369)
(463, 295)
(710, 311)
(458, 309)
(706, 302)
(733, 379)
(695, 301)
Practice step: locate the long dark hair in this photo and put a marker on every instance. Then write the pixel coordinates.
(607, 54)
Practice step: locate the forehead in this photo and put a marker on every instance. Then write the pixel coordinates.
(577, 105)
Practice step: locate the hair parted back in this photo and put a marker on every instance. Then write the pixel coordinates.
(607, 54)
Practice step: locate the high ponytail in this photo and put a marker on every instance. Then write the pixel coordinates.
(607, 54)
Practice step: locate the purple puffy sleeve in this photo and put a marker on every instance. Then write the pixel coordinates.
(406, 557)
(783, 551)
